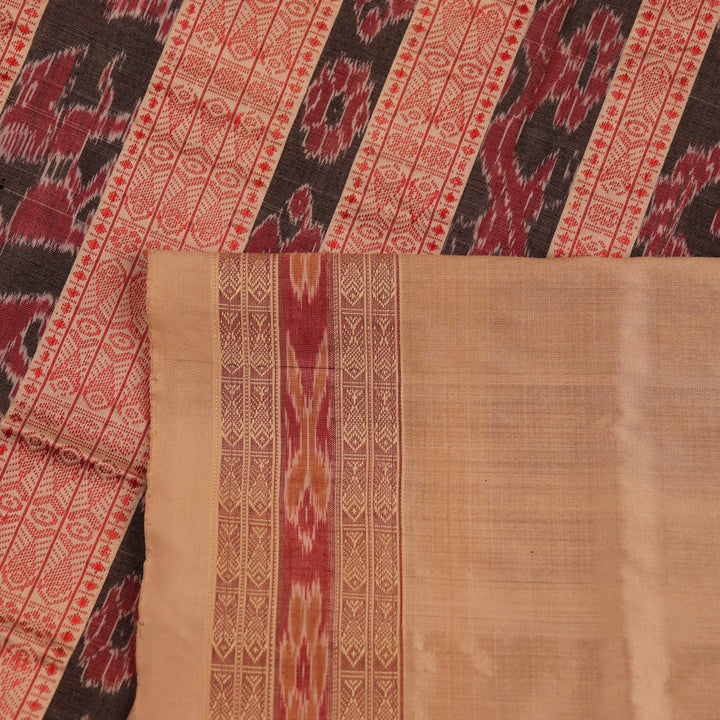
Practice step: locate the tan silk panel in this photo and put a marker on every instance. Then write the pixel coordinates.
(181, 505)
(557, 492)
(561, 513)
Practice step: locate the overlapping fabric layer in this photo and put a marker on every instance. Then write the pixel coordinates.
(339, 528)
(468, 126)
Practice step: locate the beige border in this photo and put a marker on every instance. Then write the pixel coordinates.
(175, 605)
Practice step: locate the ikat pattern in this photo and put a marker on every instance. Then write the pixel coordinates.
(515, 193)
(60, 134)
(427, 126)
(336, 108)
(313, 180)
(305, 608)
(683, 217)
(640, 115)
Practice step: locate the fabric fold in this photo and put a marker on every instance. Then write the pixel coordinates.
(396, 486)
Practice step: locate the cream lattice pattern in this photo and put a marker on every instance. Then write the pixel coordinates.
(367, 668)
(243, 636)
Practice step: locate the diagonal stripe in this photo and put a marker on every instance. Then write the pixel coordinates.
(647, 97)
(320, 149)
(682, 217)
(206, 139)
(18, 22)
(427, 126)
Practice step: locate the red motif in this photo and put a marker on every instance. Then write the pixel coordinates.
(427, 126)
(622, 162)
(661, 235)
(38, 127)
(108, 655)
(373, 15)
(555, 65)
(304, 655)
(292, 230)
(337, 108)
(307, 481)
(17, 314)
(304, 588)
(160, 12)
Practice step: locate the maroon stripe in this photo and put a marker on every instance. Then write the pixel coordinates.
(307, 487)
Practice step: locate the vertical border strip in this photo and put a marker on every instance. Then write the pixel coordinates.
(368, 660)
(305, 598)
(632, 135)
(244, 644)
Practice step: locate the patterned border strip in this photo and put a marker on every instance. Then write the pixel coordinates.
(19, 20)
(427, 126)
(86, 393)
(638, 120)
(81, 510)
(243, 636)
(367, 672)
(305, 590)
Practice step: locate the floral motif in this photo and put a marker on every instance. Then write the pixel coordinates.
(337, 108)
(304, 654)
(108, 656)
(373, 15)
(125, 240)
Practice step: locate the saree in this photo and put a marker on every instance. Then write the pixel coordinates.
(396, 486)
(429, 127)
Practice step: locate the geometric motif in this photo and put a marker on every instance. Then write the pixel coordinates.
(18, 22)
(308, 553)
(367, 664)
(243, 659)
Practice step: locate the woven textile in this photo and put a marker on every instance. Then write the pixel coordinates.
(18, 23)
(60, 134)
(336, 125)
(338, 527)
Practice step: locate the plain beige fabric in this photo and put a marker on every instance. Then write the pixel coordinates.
(175, 610)
(560, 495)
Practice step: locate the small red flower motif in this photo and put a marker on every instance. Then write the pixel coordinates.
(108, 655)
(337, 108)
(125, 240)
